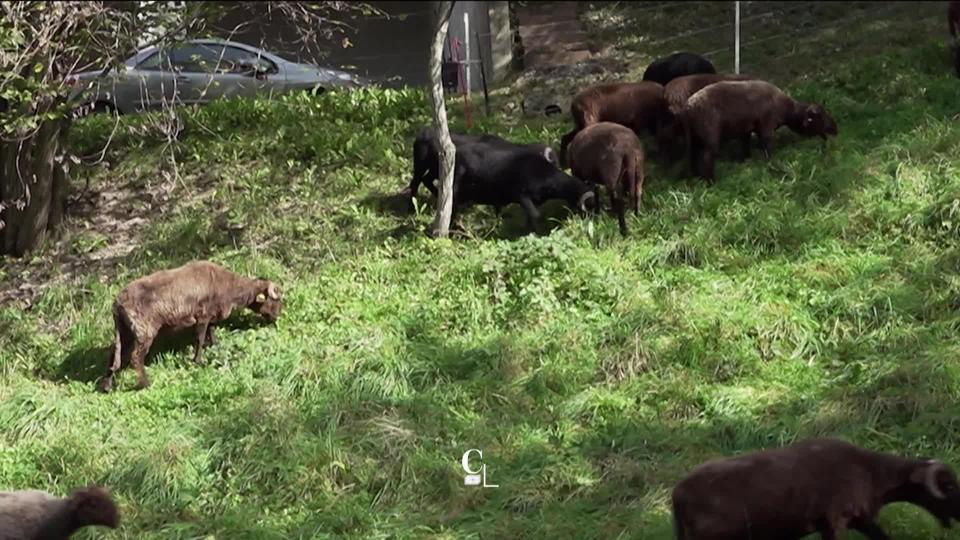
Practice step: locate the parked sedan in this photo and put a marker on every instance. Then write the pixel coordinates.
(198, 71)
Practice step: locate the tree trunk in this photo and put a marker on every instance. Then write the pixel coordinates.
(447, 154)
(33, 187)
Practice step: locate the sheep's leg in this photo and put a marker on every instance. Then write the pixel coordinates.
(638, 189)
(115, 362)
(140, 347)
(210, 337)
(706, 157)
(201, 330)
(532, 213)
(617, 203)
(694, 149)
(766, 142)
(618, 207)
(871, 530)
(745, 142)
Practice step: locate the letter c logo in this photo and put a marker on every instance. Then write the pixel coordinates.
(465, 461)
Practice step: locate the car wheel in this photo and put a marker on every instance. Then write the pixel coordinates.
(317, 90)
(104, 107)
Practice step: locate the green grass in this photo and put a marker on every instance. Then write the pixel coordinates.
(815, 294)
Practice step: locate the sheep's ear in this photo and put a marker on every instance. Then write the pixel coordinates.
(261, 298)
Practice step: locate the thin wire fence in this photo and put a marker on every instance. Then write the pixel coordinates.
(769, 32)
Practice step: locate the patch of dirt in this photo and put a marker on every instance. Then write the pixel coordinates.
(112, 217)
(548, 90)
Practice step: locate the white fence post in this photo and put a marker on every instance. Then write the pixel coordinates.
(736, 38)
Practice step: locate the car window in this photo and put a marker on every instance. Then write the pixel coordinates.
(197, 59)
(204, 58)
(239, 58)
(155, 62)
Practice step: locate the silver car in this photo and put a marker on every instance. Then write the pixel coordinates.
(198, 71)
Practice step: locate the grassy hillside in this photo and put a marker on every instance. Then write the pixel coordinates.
(814, 294)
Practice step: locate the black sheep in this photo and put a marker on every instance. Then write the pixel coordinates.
(426, 160)
(666, 69)
(498, 175)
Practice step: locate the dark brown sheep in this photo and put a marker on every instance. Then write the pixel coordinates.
(737, 109)
(816, 485)
(676, 93)
(638, 106)
(196, 295)
(610, 155)
(37, 515)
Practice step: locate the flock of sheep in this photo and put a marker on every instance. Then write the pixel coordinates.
(681, 99)
(820, 486)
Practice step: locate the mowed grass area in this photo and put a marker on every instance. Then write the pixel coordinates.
(815, 294)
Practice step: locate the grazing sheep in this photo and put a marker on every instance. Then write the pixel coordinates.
(499, 175)
(664, 70)
(426, 156)
(675, 94)
(610, 155)
(737, 109)
(816, 485)
(953, 24)
(37, 515)
(638, 106)
(196, 295)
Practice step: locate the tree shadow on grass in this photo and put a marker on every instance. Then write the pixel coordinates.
(395, 203)
(87, 365)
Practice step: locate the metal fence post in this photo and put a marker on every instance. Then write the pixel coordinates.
(736, 38)
(466, 46)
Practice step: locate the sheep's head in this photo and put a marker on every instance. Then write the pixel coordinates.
(936, 490)
(268, 302)
(93, 506)
(817, 122)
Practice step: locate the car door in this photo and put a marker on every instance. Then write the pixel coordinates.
(150, 84)
(246, 74)
(196, 76)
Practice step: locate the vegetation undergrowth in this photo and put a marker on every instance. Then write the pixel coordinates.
(814, 294)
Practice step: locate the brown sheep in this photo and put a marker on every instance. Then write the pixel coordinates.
(37, 515)
(638, 106)
(814, 486)
(196, 295)
(736, 110)
(610, 155)
(676, 93)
